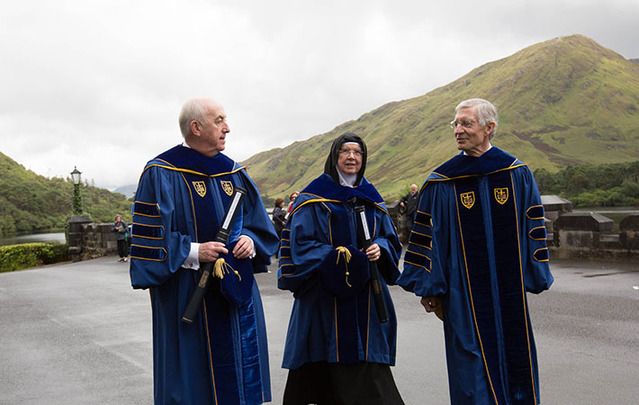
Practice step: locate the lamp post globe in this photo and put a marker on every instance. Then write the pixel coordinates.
(76, 176)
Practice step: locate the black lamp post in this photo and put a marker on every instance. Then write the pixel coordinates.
(76, 177)
(75, 227)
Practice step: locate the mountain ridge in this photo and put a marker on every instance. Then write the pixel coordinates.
(561, 102)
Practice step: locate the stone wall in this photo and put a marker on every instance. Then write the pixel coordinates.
(88, 240)
(588, 234)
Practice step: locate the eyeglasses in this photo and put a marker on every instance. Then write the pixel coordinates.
(347, 152)
(464, 123)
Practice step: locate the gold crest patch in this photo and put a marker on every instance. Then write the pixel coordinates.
(501, 195)
(200, 188)
(467, 199)
(227, 186)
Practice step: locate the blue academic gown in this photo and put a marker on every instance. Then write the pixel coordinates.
(479, 243)
(334, 318)
(221, 358)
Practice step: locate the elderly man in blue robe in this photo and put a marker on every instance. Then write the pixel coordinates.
(477, 246)
(342, 332)
(181, 201)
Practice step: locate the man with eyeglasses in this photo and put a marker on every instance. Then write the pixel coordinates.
(477, 246)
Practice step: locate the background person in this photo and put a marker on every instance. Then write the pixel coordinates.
(409, 204)
(120, 227)
(279, 216)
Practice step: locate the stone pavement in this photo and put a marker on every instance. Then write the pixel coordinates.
(76, 333)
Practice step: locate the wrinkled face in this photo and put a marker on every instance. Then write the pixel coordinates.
(212, 132)
(349, 160)
(470, 136)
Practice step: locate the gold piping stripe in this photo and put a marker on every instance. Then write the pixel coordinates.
(147, 203)
(533, 206)
(425, 247)
(192, 206)
(287, 240)
(319, 197)
(168, 166)
(417, 265)
(422, 234)
(419, 254)
(537, 227)
(540, 261)
(315, 200)
(145, 258)
(149, 247)
(472, 303)
(419, 223)
(145, 215)
(523, 288)
(149, 226)
(470, 175)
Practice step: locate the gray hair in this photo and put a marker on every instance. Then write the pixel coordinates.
(486, 111)
(193, 110)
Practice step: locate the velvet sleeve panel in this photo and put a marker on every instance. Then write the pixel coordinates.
(158, 249)
(536, 257)
(425, 271)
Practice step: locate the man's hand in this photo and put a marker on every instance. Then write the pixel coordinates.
(433, 304)
(210, 251)
(373, 252)
(244, 248)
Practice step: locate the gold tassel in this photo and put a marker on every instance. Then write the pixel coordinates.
(218, 268)
(342, 251)
(221, 267)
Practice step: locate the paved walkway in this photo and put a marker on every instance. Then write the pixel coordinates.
(76, 333)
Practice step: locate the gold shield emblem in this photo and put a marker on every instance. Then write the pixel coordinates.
(200, 188)
(467, 199)
(501, 195)
(227, 186)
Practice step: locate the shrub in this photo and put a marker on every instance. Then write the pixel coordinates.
(17, 257)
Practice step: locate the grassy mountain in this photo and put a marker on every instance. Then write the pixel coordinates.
(561, 102)
(30, 202)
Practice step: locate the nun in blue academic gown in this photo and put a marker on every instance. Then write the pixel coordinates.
(337, 350)
(181, 200)
(477, 246)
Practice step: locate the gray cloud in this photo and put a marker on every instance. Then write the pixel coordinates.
(99, 84)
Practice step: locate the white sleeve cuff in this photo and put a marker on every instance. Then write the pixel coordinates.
(193, 261)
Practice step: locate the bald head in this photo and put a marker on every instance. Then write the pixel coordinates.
(203, 125)
(194, 109)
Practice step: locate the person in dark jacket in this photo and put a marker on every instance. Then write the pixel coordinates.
(279, 216)
(120, 227)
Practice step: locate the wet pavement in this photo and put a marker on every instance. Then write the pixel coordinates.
(76, 333)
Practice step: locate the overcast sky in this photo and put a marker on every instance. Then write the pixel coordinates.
(99, 84)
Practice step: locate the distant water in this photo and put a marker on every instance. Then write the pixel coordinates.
(57, 237)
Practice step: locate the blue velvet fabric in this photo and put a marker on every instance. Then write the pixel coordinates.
(332, 321)
(471, 244)
(223, 356)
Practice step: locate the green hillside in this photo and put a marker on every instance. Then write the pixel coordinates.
(32, 203)
(561, 102)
